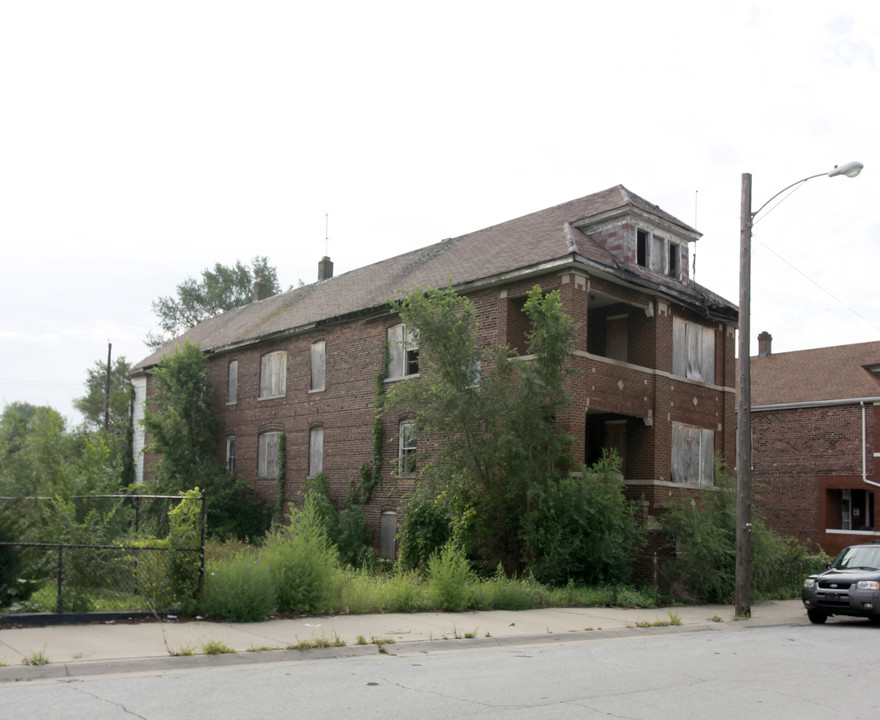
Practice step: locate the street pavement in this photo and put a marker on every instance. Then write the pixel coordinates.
(122, 646)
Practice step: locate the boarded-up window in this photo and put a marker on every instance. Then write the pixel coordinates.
(693, 350)
(267, 461)
(273, 375)
(319, 354)
(403, 353)
(693, 454)
(232, 383)
(316, 451)
(388, 536)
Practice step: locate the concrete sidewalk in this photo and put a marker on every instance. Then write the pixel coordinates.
(117, 646)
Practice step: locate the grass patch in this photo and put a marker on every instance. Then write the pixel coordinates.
(319, 642)
(216, 647)
(35, 657)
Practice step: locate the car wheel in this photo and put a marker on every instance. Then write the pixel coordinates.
(817, 616)
(875, 619)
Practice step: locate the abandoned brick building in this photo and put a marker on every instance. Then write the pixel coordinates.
(654, 354)
(816, 441)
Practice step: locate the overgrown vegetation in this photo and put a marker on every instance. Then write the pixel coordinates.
(703, 566)
(180, 419)
(495, 447)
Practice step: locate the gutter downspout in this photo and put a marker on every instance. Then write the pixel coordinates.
(865, 450)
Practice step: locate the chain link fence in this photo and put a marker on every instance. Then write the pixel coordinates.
(100, 553)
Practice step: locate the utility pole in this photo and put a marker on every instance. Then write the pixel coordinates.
(743, 590)
(107, 390)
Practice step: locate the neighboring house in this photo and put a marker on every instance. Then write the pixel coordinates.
(654, 354)
(816, 442)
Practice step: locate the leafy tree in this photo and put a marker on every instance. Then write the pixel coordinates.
(221, 289)
(37, 454)
(119, 428)
(92, 404)
(182, 424)
(495, 446)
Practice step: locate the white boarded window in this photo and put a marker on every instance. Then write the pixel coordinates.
(406, 457)
(388, 536)
(693, 350)
(267, 460)
(319, 353)
(693, 454)
(403, 353)
(316, 451)
(273, 375)
(232, 383)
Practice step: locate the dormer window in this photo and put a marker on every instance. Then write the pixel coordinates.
(672, 265)
(642, 248)
(658, 254)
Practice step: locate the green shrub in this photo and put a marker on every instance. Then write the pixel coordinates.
(448, 574)
(302, 563)
(704, 536)
(239, 589)
(585, 529)
(425, 527)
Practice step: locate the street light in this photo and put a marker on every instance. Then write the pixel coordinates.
(743, 602)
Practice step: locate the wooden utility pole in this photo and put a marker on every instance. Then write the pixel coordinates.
(107, 390)
(743, 591)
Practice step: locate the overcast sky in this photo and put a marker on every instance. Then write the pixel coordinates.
(143, 142)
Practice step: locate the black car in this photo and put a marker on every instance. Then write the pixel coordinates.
(850, 586)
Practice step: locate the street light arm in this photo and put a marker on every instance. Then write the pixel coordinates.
(850, 169)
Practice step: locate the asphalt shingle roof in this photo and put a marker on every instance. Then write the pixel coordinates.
(539, 237)
(818, 375)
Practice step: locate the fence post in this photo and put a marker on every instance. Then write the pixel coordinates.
(59, 606)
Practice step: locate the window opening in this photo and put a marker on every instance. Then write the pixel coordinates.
(316, 451)
(406, 457)
(232, 383)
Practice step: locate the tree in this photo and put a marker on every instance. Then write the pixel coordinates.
(495, 446)
(181, 422)
(221, 289)
(93, 403)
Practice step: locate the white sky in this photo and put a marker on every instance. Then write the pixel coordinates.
(142, 142)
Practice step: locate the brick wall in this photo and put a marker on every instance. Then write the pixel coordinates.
(799, 456)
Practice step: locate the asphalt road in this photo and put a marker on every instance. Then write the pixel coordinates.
(792, 672)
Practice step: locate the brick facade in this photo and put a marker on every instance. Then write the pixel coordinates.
(625, 392)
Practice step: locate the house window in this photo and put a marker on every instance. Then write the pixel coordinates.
(273, 375)
(693, 350)
(267, 460)
(693, 454)
(672, 265)
(406, 455)
(403, 353)
(316, 451)
(230, 454)
(854, 507)
(388, 536)
(641, 248)
(319, 353)
(232, 383)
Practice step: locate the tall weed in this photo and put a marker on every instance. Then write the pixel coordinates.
(448, 574)
(302, 563)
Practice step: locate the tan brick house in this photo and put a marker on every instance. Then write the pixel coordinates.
(816, 441)
(655, 352)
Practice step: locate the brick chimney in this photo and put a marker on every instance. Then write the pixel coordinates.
(260, 290)
(325, 269)
(765, 340)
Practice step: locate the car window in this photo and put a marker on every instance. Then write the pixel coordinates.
(858, 557)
